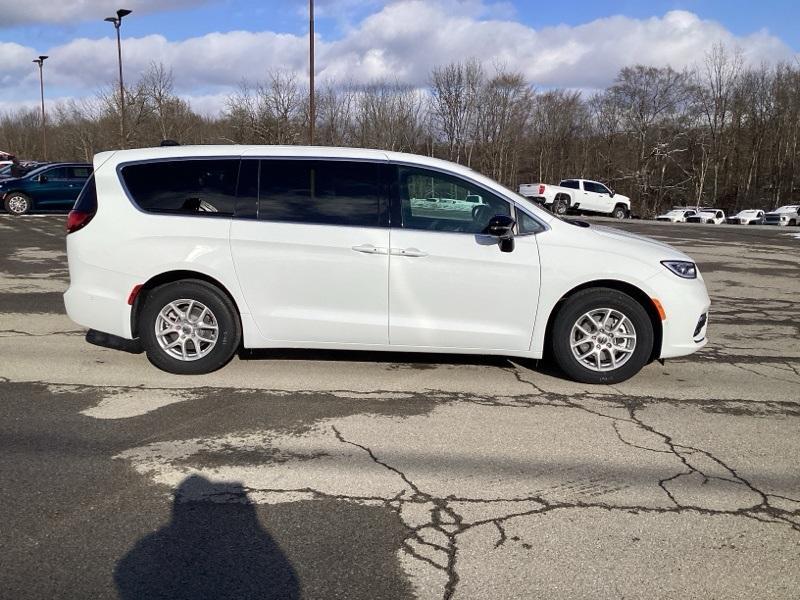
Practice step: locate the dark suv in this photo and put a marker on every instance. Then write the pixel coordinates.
(52, 186)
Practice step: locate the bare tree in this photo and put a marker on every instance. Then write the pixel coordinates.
(455, 92)
(721, 133)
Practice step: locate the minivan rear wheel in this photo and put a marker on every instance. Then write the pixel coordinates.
(17, 203)
(189, 327)
(601, 335)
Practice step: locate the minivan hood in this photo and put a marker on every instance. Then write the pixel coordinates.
(611, 232)
(613, 248)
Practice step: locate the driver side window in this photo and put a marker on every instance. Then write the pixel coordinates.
(591, 186)
(434, 201)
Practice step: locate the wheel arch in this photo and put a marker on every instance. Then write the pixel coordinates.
(566, 195)
(170, 277)
(621, 286)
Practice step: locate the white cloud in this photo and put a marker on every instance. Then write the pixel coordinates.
(402, 40)
(29, 12)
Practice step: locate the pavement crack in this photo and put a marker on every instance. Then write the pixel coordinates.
(376, 460)
(501, 530)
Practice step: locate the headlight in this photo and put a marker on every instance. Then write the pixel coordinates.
(681, 268)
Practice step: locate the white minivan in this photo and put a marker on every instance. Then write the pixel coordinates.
(200, 251)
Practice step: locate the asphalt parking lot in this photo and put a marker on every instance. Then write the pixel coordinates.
(352, 475)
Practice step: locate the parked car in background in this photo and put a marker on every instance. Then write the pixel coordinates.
(711, 216)
(200, 250)
(53, 186)
(11, 170)
(677, 215)
(580, 195)
(747, 217)
(788, 215)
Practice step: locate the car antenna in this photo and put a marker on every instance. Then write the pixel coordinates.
(169, 143)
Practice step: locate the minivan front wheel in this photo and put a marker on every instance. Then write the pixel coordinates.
(17, 204)
(189, 327)
(602, 335)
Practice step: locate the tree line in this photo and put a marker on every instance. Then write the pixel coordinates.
(722, 134)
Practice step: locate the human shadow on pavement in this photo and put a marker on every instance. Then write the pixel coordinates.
(213, 548)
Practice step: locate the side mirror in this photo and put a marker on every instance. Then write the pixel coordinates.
(42, 178)
(611, 193)
(502, 227)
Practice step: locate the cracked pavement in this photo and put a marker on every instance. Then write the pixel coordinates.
(299, 474)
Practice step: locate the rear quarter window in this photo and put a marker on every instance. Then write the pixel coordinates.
(186, 187)
(79, 172)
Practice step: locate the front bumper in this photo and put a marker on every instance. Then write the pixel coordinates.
(686, 305)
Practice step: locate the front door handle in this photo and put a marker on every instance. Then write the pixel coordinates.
(370, 249)
(411, 252)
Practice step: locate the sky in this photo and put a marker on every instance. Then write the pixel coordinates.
(213, 45)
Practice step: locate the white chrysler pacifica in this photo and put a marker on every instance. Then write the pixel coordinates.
(198, 251)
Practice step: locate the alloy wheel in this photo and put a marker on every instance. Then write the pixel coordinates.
(186, 329)
(603, 339)
(18, 205)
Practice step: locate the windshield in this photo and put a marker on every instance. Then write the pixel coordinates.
(787, 209)
(5, 170)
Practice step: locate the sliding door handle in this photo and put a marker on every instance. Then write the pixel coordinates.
(411, 252)
(370, 249)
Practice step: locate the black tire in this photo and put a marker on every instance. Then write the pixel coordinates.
(597, 298)
(560, 205)
(17, 204)
(620, 212)
(222, 310)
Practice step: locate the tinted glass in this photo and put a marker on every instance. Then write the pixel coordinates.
(590, 186)
(321, 192)
(570, 183)
(87, 199)
(79, 172)
(438, 202)
(205, 187)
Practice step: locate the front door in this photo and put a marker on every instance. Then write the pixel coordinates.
(597, 197)
(313, 263)
(450, 285)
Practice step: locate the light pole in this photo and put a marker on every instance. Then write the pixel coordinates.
(40, 61)
(117, 21)
(311, 111)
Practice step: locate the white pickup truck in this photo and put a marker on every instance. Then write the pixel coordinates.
(581, 195)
